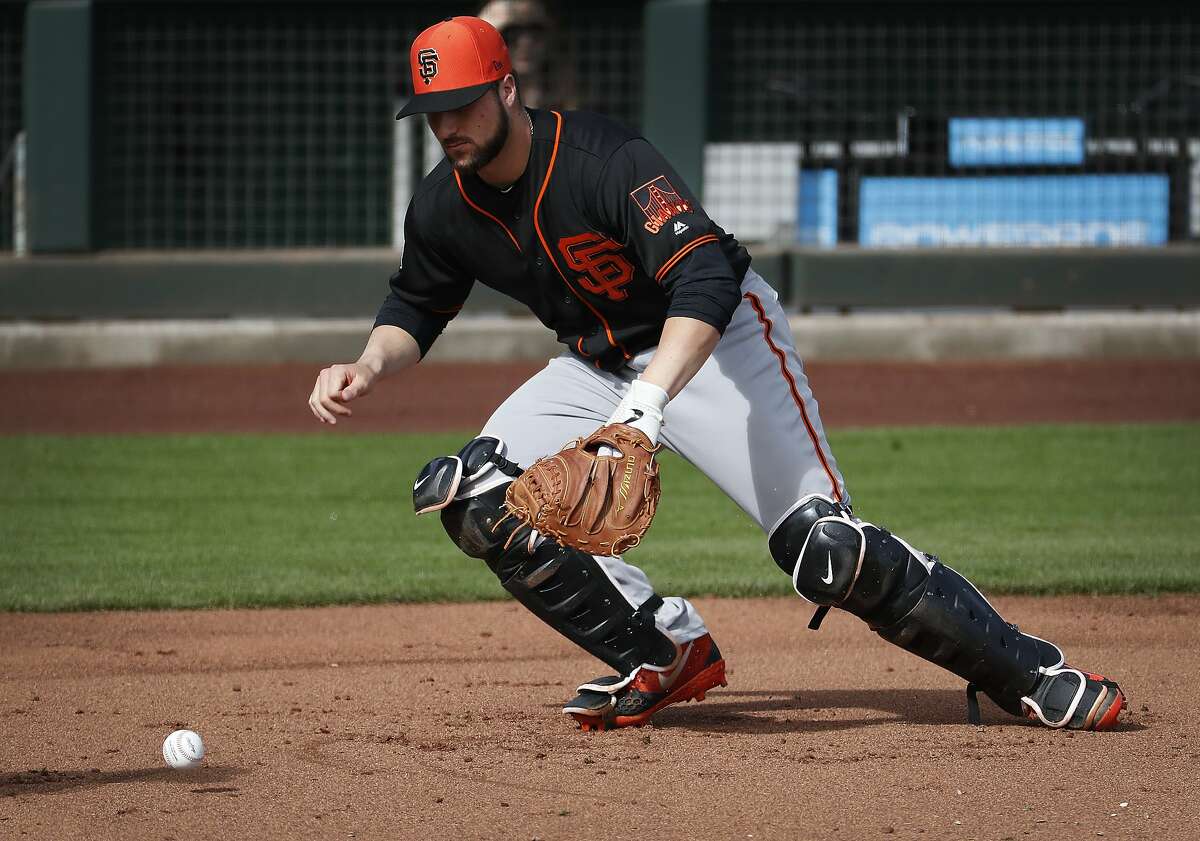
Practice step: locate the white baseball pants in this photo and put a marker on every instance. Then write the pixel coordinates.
(747, 420)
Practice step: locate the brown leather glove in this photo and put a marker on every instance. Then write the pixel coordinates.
(600, 504)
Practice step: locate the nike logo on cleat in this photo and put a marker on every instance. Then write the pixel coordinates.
(828, 579)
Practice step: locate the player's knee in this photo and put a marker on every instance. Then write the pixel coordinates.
(468, 491)
(830, 561)
(835, 560)
(565, 587)
(474, 525)
(789, 535)
(860, 568)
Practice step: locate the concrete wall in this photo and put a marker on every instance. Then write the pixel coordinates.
(894, 336)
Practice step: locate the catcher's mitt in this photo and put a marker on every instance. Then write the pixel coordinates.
(600, 504)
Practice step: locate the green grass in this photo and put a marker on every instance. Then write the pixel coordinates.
(210, 520)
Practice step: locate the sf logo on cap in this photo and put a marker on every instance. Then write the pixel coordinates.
(427, 63)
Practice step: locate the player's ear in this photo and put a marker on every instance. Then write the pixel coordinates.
(509, 95)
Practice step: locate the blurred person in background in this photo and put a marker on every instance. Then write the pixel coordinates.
(536, 46)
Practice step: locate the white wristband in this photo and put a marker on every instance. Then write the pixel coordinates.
(642, 408)
(643, 395)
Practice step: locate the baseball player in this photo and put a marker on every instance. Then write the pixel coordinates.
(666, 327)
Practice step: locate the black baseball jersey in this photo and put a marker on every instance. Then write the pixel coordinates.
(600, 238)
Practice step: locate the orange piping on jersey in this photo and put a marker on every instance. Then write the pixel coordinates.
(681, 253)
(579, 346)
(550, 255)
(787, 375)
(477, 208)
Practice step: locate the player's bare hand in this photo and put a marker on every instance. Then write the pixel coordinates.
(336, 386)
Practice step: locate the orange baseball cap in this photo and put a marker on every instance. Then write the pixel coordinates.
(453, 63)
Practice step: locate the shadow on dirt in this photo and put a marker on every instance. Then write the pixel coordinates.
(48, 781)
(825, 710)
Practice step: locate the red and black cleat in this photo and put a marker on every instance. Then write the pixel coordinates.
(610, 702)
(1076, 700)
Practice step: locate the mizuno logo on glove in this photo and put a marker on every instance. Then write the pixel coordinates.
(623, 492)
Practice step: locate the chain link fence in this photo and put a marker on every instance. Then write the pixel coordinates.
(916, 125)
(253, 126)
(268, 125)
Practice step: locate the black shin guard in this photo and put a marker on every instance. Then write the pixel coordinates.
(562, 586)
(954, 626)
(921, 605)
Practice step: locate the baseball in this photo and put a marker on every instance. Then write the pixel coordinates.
(183, 749)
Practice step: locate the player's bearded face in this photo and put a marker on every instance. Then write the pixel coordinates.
(472, 136)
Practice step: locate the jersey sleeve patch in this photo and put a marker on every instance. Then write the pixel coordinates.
(660, 202)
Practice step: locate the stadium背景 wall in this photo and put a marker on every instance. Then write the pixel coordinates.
(1026, 155)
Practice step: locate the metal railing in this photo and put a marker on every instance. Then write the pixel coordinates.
(12, 40)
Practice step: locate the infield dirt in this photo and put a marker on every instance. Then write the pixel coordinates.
(437, 398)
(442, 721)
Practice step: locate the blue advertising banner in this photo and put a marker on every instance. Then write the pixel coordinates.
(990, 141)
(1034, 210)
(816, 217)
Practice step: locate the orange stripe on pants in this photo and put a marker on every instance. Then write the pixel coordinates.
(787, 375)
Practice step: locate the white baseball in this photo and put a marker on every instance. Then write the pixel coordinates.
(183, 749)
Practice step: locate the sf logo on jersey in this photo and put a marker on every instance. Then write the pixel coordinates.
(659, 201)
(603, 269)
(427, 64)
